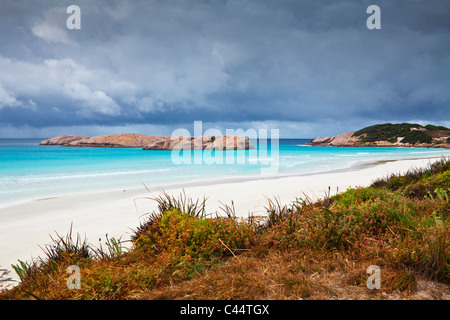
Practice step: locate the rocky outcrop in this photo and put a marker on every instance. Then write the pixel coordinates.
(124, 140)
(229, 143)
(62, 140)
(345, 139)
(201, 143)
(146, 142)
(348, 139)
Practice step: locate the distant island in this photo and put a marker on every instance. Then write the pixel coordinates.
(390, 135)
(147, 142)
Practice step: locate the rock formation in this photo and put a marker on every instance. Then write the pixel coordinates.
(63, 140)
(146, 142)
(201, 143)
(344, 139)
(126, 140)
(390, 135)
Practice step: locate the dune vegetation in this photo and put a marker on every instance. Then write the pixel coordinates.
(308, 249)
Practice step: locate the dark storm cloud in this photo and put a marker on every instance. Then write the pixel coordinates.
(173, 62)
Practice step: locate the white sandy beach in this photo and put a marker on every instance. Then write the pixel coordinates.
(26, 227)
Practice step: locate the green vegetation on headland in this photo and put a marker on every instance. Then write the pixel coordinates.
(405, 133)
(390, 135)
(307, 249)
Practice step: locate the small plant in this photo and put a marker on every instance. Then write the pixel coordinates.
(229, 211)
(5, 280)
(183, 235)
(63, 248)
(402, 281)
(442, 193)
(166, 203)
(114, 247)
(22, 269)
(276, 212)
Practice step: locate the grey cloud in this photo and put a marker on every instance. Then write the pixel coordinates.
(173, 62)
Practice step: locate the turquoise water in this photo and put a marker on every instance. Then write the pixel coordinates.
(29, 171)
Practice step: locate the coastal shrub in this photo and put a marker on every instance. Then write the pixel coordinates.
(45, 277)
(384, 132)
(392, 140)
(431, 172)
(364, 218)
(277, 213)
(166, 203)
(431, 127)
(333, 227)
(426, 187)
(397, 182)
(427, 252)
(410, 132)
(114, 249)
(182, 234)
(355, 196)
(65, 248)
(417, 136)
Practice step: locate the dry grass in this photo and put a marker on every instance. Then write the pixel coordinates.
(294, 275)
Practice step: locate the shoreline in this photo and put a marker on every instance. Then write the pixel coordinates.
(358, 165)
(26, 228)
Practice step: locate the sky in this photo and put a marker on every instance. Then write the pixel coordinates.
(307, 68)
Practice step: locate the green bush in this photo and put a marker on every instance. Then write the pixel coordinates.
(182, 234)
(390, 132)
(431, 127)
(416, 136)
(392, 140)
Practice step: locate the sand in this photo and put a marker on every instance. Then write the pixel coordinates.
(26, 228)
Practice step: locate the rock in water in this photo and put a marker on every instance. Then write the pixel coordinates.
(146, 142)
(62, 140)
(202, 143)
(124, 140)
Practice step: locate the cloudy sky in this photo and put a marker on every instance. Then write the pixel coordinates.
(308, 68)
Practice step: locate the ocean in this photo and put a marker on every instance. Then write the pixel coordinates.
(29, 171)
